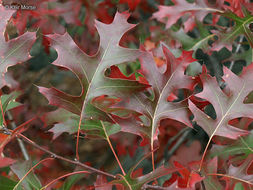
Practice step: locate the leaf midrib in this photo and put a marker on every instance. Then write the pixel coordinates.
(157, 105)
(228, 111)
(13, 51)
(237, 29)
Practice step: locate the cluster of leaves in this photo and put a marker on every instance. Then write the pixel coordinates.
(180, 103)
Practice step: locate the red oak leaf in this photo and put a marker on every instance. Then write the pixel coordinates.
(13, 51)
(188, 178)
(227, 106)
(239, 173)
(236, 6)
(170, 14)
(156, 107)
(90, 70)
(212, 181)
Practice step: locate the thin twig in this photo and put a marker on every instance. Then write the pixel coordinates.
(236, 51)
(66, 175)
(78, 135)
(75, 162)
(30, 170)
(177, 144)
(154, 187)
(2, 112)
(172, 139)
(113, 151)
(20, 142)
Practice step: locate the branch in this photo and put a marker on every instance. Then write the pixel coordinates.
(20, 142)
(236, 51)
(185, 134)
(66, 175)
(113, 151)
(75, 162)
(154, 187)
(31, 169)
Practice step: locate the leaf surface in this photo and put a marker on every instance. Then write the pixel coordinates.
(170, 14)
(90, 70)
(243, 145)
(212, 182)
(227, 106)
(240, 173)
(70, 182)
(6, 183)
(8, 102)
(131, 183)
(13, 51)
(165, 82)
(68, 122)
(5, 161)
(189, 43)
(31, 181)
(241, 27)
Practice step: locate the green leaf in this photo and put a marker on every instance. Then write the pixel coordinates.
(8, 102)
(131, 183)
(190, 43)
(90, 70)
(241, 27)
(243, 145)
(68, 122)
(212, 182)
(31, 181)
(238, 186)
(68, 184)
(246, 55)
(6, 184)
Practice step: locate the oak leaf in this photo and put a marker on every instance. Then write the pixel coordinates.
(90, 70)
(15, 50)
(170, 14)
(228, 106)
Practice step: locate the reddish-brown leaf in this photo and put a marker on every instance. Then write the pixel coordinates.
(13, 51)
(227, 106)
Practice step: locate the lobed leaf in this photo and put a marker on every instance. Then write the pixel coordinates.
(156, 107)
(241, 27)
(243, 145)
(13, 51)
(8, 102)
(90, 70)
(68, 122)
(240, 173)
(170, 14)
(227, 106)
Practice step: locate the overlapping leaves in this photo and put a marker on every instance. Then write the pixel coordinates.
(197, 10)
(241, 26)
(8, 102)
(90, 70)
(156, 107)
(13, 51)
(227, 105)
